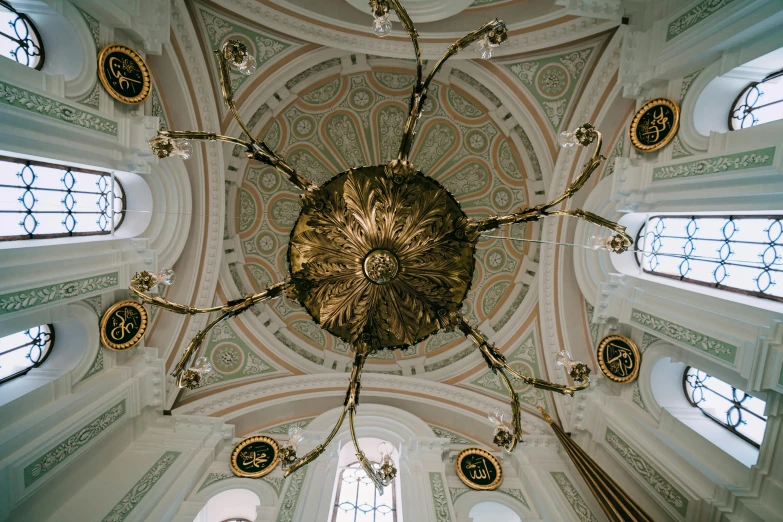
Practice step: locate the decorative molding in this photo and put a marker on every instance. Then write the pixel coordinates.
(23, 99)
(439, 499)
(212, 478)
(132, 498)
(291, 497)
(282, 429)
(637, 397)
(751, 159)
(92, 100)
(43, 295)
(77, 440)
(694, 16)
(575, 500)
(670, 494)
(97, 364)
(455, 438)
(156, 109)
(709, 345)
(93, 24)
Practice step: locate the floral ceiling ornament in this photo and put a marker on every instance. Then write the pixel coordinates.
(380, 256)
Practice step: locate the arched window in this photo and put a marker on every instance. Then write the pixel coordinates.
(733, 253)
(357, 500)
(22, 351)
(735, 410)
(760, 102)
(44, 200)
(492, 512)
(19, 38)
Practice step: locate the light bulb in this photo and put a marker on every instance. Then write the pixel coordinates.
(248, 65)
(202, 365)
(385, 449)
(496, 418)
(565, 360)
(183, 148)
(295, 436)
(485, 47)
(597, 243)
(381, 25)
(567, 139)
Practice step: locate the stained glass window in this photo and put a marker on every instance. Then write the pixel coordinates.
(22, 351)
(735, 410)
(735, 253)
(357, 499)
(19, 39)
(760, 102)
(43, 200)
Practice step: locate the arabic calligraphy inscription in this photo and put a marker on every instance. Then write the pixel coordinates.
(254, 457)
(654, 125)
(124, 74)
(123, 325)
(479, 469)
(619, 358)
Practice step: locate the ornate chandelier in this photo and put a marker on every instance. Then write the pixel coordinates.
(381, 256)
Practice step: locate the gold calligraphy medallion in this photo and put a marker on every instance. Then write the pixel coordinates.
(255, 457)
(479, 469)
(619, 358)
(124, 74)
(123, 325)
(654, 125)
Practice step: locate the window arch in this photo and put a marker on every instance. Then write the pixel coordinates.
(357, 500)
(22, 351)
(735, 410)
(19, 38)
(734, 253)
(758, 103)
(44, 200)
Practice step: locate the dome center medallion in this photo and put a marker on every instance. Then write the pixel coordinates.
(381, 266)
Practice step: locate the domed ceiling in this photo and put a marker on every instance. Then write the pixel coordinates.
(345, 110)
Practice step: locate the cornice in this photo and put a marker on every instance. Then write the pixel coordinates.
(559, 28)
(247, 398)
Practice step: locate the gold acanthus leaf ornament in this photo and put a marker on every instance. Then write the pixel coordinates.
(378, 257)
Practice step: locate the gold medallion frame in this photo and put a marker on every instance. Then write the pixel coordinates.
(641, 112)
(145, 73)
(602, 363)
(242, 445)
(136, 338)
(487, 455)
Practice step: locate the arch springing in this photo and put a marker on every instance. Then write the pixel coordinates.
(758, 103)
(735, 410)
(733, 253)
(22, 351)
(19, 38)
(44, 200)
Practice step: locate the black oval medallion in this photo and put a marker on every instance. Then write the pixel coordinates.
(254, 457)
(124, 74)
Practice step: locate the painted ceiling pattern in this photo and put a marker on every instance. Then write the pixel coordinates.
(552, 80)
(339, 121)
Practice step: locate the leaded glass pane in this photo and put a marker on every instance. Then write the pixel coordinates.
(40, 200)
(21, 351)
(760, 102)
(735, 410)
(734, 253)
(19, 38)
(358, 501)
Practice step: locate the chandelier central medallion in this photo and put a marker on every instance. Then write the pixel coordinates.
(376, 257)
(381, 256)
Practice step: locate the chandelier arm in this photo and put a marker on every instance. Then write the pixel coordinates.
(496, 25)
(495, 30)
(407, 23)
(516, 411)
(260, 151)
(595, 219)
(317, 451)
(546, 385)
(592, 135)
(224, 70)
